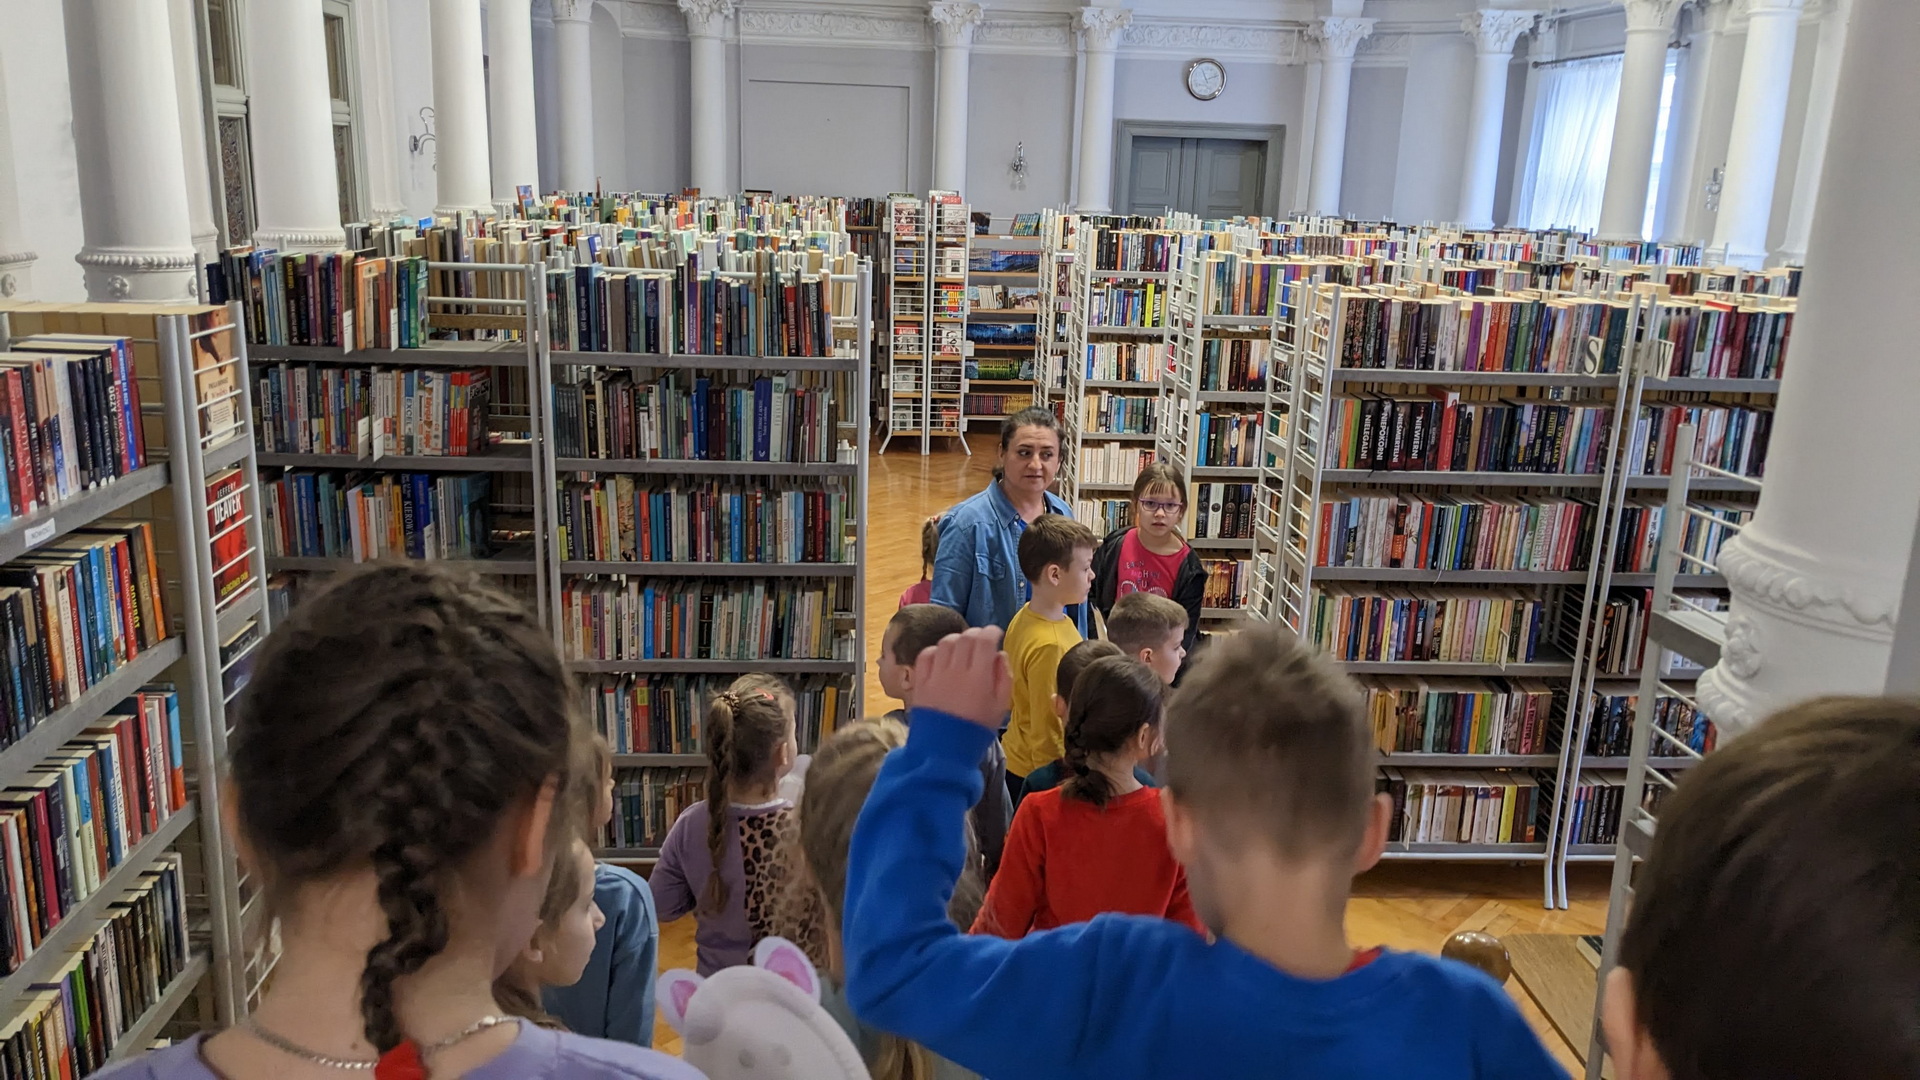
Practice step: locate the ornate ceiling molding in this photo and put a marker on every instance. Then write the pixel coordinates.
(954, 22)
(873, 28)
(652, 20)
(1493, 31)
(1269, 42)
(1046, 35)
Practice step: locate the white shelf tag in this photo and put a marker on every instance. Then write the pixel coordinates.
(40, 533)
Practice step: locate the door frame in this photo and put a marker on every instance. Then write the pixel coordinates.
(1275, 136)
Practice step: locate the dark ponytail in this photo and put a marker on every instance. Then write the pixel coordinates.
(394, 720)
(1111, 700)
(745, 728)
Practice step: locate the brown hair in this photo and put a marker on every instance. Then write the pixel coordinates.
(1159, 474)
(1076, 660)
(1143, 620)
(918, 627)
(394, 720)
(838, 780)
(1773, 929)
(929, 543)
(1111, 700)
(1051, 541)
(516, 992)
(745, 729)
(1032, 416)
(1267, 738)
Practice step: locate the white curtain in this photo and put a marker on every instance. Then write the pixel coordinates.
(1572, 139)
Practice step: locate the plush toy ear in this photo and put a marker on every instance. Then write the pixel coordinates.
(675, 990)
(784, 958)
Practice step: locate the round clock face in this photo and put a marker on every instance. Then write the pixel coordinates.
(1206, 79)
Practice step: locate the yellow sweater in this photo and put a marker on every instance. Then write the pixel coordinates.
(1034, 646)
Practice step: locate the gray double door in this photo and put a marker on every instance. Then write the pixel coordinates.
(1210, 177)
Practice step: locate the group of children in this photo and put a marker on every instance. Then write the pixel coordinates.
(988, 876)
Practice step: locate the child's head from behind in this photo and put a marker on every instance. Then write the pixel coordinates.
(1151, 629)
(1056, 555)
(929, 543)
(1072, 663)
(1773, 929)
(750, 746)
(1269, 767)
(913, 628)
(1115, 714)
(407, 738)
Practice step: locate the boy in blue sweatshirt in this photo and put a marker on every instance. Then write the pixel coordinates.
(1271, 808)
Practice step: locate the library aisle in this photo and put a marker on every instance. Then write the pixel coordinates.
(1399, 905)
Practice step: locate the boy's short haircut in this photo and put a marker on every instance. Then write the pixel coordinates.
(1078, 659)
(1142, 620)
(918, 627)
(1773, 927)
(1268, 740)
(1051, 541)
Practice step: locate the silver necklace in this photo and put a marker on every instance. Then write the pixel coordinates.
(252, 1026)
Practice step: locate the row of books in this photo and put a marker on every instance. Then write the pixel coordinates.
(1712, 339)
(648, 801)
(1105, 412)
(1238, 364)
(1146, 250)
(1730, 437)
(1468, 626)
(71, 614)
(1227, 582)
(778, 418)
(1447, 434)
(1227, 439)
(1464, 806)
(1716, 521)
(999, 367)
(785, 309)
(667, 714)
(371, 412)
(995, 404)
(1461, 716)
(1003, 298)
(620, 519)
(1599, 796)
(70, 1025)
(989, 261)
(1127, 307)
(1127, 361)
(1233, 283)
(363, 516)
(69, 418)
(999, 333)
(79, 814)
(1482, 333)
(631, 618)
(1111, 463)
(1104, 515)
(1222, 511)
(1610, 732)
(1534, 533)
(342, 299)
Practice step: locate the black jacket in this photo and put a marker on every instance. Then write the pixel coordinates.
(1189, 589)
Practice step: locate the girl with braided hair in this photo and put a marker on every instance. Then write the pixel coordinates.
(725, 859)
(404, 775)
(1098, 842)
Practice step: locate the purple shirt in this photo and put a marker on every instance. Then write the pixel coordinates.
(726, 937)
(538, 1054)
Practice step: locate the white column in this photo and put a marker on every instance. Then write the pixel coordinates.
(573, 56)
(1493, 34)
(1303, 153)
(1818, 575)
(516, 153)
(296, 188)
(1759, 120)
(193, 129)
(459, 108)
(126, 131)
(1623, 208)
(381, 133)
(953, 23)
(1339, 38)
(1693, 151)
(16, 262)
(706, 30)
(1813, 137)
(1100, 30)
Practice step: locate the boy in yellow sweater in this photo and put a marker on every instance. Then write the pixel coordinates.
(1056, 555)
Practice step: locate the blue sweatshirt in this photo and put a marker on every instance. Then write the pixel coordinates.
(1124, 996)
(614, 997)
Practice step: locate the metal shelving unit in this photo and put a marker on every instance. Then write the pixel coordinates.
(1082, 335)
(1026, 357)
(949, 228)
(906, 251)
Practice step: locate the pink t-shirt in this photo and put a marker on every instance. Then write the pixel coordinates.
(1141, 570)
(920, 593)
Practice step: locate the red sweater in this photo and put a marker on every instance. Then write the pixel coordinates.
(1067, 860)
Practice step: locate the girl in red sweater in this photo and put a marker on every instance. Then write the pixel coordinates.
(1098, 842)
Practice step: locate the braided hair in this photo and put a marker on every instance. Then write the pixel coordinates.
(746, 726)
(1112, 699)
(395, 720)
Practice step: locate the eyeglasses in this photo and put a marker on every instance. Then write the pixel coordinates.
(1155, 506)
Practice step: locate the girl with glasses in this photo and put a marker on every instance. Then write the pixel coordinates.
(1152, 556)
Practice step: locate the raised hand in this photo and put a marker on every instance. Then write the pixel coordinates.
(966, 675)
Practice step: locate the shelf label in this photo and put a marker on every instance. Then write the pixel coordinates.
(40, 533)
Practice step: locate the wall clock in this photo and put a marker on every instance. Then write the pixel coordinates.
(1206, 79)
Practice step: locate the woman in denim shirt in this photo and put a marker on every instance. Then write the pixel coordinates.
(977, 570)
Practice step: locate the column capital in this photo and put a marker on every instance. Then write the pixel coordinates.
(1339, 36)
(1751, 8)
(1652, 14)
(707, 18)
(1494, 31)
(953, 22)
(15, 271)
(1101, 27)
(573, 10)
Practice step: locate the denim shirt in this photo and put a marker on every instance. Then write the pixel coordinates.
(977, 569)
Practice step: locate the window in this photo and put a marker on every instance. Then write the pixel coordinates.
(1572, 139)
(340, 82)
(223, 64)
(1648, 224)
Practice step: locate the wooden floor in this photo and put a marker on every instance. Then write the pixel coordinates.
(1412, 906)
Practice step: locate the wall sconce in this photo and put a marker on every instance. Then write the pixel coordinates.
(418, 143)
(1017, 169)
(1715, 184)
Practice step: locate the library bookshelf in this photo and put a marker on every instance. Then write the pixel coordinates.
(1004, 312)
(927, 272)
(1117, 339)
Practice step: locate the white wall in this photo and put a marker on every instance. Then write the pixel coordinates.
(1433, 128)
(412, 91)
(33, 57)
(658, 100)
(837, 121)
(1372, 168)
(1004, 92)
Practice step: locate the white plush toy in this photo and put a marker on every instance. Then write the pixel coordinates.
(762, 1022)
